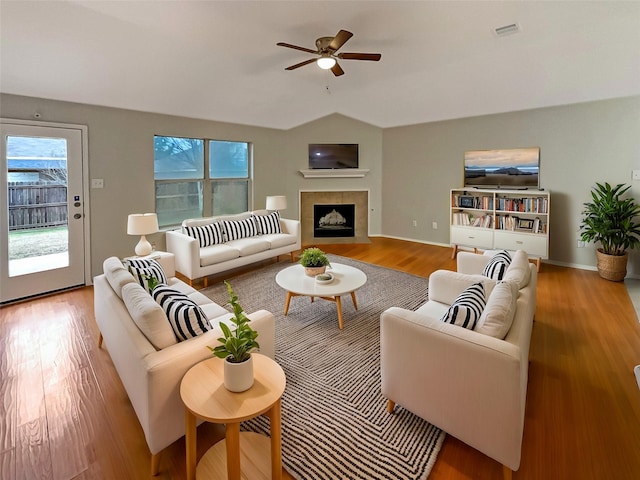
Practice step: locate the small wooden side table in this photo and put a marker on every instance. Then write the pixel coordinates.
(204, 396)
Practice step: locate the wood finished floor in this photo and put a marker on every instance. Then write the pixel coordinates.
(65, 415)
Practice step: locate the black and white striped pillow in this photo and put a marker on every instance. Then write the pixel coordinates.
(268, 224)
(467, 307)
(210, 234)
(235, 229)
(145, 268)
(185, 316)
(497, 266)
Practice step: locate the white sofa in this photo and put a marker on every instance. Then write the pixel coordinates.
(151, 375)
(471, 385)
(195, 261)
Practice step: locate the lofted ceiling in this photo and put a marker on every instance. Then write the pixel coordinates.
(218, 60)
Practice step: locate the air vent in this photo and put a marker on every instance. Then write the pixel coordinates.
(507, 30)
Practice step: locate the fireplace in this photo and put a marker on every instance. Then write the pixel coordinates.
(356, 218)
(337, 220)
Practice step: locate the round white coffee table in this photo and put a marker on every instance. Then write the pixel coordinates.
(346, 280)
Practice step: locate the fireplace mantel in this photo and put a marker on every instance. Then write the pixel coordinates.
(335, 173)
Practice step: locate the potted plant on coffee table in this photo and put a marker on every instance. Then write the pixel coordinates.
(611, 220)
(314, 261)
(235, 348)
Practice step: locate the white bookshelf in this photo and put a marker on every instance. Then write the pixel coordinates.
(485, 219)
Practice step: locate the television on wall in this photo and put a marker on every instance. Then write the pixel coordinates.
(515, 168)
(333, 155)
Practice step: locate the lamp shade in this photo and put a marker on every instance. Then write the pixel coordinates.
(276, 202)
(142, 223)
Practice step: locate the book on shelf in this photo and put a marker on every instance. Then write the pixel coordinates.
(539, 226)
(507, 222)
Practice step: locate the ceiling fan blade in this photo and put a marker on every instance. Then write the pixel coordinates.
(301, 64)
(337, 70)
(374, 57)
(296, 47)
(340, 39)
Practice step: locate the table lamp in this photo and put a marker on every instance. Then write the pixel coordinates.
(277, 202)
(142, 224)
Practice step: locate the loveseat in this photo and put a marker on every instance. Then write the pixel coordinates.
(143, 347)
(205, 246)
(472, 385)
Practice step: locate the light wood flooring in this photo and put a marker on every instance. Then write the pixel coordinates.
(65, 415)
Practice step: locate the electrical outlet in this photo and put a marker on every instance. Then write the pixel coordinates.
(580, 244)
(415, 223)
(635, 175)
(434, 225)
(97, 183)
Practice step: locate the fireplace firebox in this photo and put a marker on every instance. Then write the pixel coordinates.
(334, 220)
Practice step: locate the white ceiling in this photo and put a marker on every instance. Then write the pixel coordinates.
(219, 60)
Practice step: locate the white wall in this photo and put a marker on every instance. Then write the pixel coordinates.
(579, 145)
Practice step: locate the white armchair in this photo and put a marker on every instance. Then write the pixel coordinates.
(472, 386)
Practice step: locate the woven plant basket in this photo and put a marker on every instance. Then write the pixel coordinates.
(313, 271)
(612, 267)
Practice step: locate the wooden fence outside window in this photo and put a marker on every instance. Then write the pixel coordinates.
(36, 205)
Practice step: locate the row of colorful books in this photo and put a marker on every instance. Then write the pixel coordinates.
(526, 204)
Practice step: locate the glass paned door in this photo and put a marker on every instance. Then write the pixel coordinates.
(42, 220)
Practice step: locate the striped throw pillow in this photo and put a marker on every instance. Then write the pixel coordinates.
(206, 235)
(497, 266)
(185, 316)
(467, 307)
(235, 229)
(144, 269)
(268, 224)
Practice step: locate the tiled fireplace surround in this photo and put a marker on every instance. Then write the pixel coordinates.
(360, 198)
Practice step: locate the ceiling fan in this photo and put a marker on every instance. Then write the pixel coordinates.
(328, 58)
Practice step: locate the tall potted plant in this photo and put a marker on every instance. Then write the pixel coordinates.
(611, 220)
(235, 347)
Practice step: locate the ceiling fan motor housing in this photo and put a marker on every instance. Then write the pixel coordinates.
(322, 44)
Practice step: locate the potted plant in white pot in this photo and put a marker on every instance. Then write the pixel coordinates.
(314, 261)
(236, 347)
(611, 220)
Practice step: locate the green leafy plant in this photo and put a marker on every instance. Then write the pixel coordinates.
(314, 257)
(151, 281)
(610, 219)
(237, 344)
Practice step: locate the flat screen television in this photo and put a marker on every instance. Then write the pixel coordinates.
(515, 168)
(333, 155)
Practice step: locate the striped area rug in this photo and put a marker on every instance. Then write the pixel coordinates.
(335, 423)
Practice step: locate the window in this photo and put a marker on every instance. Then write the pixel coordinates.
(229, 171)
(199, 178)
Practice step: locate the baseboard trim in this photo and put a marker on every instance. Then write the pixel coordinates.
(437, 244)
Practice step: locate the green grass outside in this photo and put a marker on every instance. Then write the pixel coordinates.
(37, 242)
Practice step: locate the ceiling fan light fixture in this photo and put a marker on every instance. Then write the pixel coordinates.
(326, 62)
